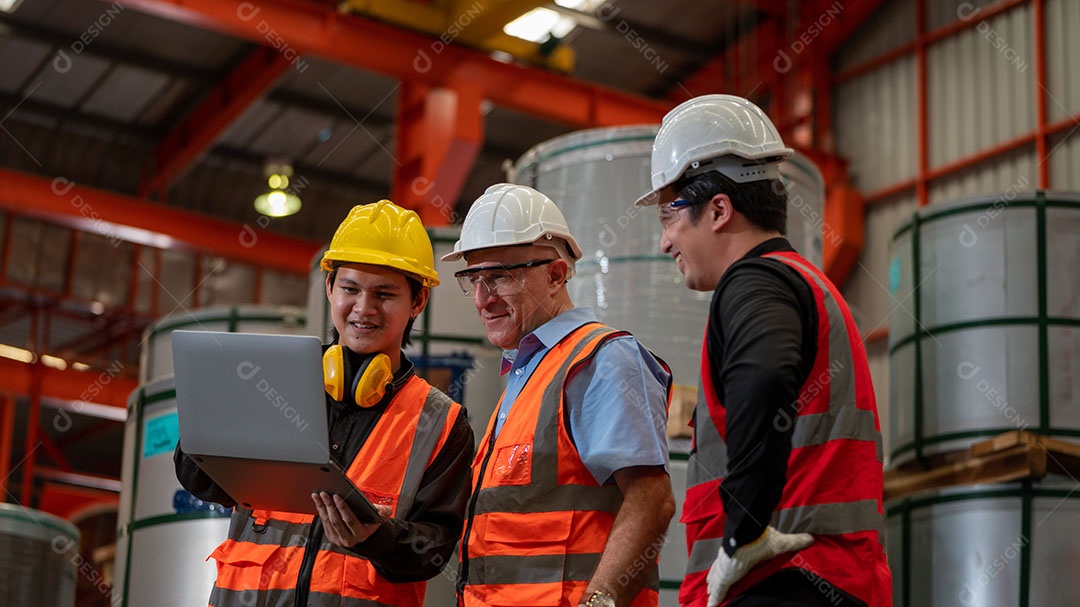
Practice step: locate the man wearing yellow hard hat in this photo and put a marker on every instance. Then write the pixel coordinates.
(405, 445)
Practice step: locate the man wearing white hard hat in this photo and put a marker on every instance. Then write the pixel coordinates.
(571, 495)
(784, 495)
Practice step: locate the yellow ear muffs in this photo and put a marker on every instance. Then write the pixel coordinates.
(372, 380)
(333, 368)
(369, 381)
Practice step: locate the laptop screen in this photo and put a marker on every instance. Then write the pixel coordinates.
(251, 396)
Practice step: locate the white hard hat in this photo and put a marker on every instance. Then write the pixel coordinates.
(507, 215)
(715, 133)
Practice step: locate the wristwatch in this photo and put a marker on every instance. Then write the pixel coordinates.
(599, 598)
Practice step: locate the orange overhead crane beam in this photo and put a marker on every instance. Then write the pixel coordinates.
(17, 377)
(295, 28)
(443, 81)
(121, 217)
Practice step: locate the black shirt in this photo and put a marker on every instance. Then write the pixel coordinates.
(761, 344)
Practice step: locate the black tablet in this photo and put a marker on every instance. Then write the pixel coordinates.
(284, 486)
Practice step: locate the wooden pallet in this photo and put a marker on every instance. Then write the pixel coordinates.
(1015, 455)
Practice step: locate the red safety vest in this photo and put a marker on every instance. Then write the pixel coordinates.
(834, 476)
(260, 563)
(538, 520)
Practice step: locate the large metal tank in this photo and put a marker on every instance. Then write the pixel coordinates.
(164, 534)
(992, 287)
(997, 545)
(594, 176)
(155, 358)
(806, 207)
(39, 556)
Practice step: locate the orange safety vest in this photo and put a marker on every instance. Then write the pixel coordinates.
(267, 554)
(538, 521)
(834, 477)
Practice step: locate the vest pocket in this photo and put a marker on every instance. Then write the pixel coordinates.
(524, 559)
(247, 570)
(361, 581)
(527, 534)
(512, 465)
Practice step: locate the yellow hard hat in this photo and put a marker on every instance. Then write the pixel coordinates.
(384, 234)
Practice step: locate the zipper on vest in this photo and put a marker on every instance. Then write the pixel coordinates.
(463, 572)
(311, 550)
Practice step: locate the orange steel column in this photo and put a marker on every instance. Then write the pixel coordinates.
(440, 130)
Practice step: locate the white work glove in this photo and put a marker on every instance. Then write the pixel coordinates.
(726, 570)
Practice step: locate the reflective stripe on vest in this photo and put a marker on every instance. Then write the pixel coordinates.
(431, 431)
(262, 556)
(536, 539)
(540, 569)
(844, 420)
(286, 598)
(840, 518)
(709, 459)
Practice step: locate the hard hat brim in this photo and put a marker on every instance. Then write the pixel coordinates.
(650, 198)
(574, 252)
(405, 267)
(453, 256)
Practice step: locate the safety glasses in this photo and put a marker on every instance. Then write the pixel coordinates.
(498, 280)
(669, 212)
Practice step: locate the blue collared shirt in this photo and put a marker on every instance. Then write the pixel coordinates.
(617, 403)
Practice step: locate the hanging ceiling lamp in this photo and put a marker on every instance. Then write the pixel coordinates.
(278, 201)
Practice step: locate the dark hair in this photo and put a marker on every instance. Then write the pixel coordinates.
(763, 203)
(414, 291)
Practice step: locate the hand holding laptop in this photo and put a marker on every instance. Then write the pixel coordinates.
(340, 523)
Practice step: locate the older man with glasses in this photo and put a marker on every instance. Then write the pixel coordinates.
(571, 495)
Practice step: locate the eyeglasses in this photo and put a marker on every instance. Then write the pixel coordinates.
(498, 280)
(669, 213)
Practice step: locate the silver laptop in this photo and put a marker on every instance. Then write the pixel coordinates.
(253, 416)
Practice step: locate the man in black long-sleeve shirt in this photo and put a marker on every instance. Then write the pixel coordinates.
(783, 505)
(405, 445)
